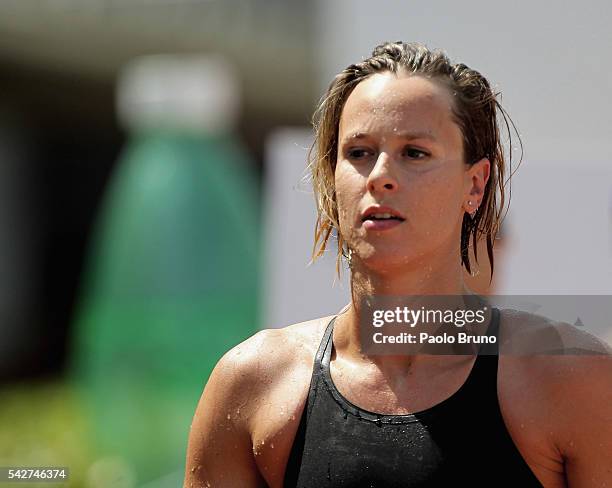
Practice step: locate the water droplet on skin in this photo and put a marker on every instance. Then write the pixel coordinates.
(272, 445)
(229, 416)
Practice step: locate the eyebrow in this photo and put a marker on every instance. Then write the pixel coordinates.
(402, 135)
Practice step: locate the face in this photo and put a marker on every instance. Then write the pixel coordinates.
(400, 153)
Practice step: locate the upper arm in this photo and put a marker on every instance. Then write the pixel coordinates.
(571, 388)
(586, 442)
(219, 451)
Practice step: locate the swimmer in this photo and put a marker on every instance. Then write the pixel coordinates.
(408, 169)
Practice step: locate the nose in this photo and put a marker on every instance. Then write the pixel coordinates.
(381, 178)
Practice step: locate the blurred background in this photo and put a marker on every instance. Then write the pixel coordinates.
(154, 211)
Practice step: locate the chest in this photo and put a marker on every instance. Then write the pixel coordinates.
(275, 425)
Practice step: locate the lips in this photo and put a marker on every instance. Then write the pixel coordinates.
(380, 218)
(377, 212)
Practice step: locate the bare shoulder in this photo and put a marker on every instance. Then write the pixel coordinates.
(544, 352)
(233, 413)
(270, 348)
(524, 333)
(269, 354)
(562, 376)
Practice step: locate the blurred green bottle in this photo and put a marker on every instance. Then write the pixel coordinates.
(172, 280)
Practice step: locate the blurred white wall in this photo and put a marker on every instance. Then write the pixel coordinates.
(293, 290)
(550, 60)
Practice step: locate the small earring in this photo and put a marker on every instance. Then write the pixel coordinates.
(349, 258)
(472, 214)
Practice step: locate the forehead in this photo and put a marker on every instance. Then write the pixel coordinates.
(388, 102)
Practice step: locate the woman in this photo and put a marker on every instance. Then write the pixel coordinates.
(408, 170)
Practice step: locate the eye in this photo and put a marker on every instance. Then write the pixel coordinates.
(357, 153)
(415, 153)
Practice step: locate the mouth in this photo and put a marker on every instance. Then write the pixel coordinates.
(381, 218)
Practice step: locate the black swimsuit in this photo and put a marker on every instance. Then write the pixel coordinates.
(459, 442)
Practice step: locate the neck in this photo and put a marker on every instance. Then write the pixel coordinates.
(433, 277)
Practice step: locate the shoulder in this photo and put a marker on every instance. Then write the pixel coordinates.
(541, 350)
(270, 348)
(561, 375)
(246, 382)
(254, 365)
(524, 333)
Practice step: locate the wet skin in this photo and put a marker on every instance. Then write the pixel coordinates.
(246, 421)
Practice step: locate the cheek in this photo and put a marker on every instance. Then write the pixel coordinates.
(349, 191)
(437, 197)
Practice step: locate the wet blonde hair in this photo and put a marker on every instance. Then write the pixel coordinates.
(475, 111)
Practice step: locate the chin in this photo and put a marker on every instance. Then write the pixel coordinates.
(386, 261)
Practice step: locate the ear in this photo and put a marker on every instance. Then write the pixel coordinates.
(476, 177)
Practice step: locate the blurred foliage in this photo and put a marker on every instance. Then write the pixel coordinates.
(44, 424)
